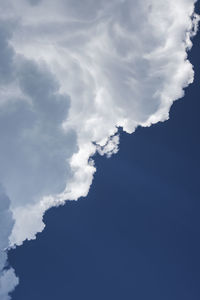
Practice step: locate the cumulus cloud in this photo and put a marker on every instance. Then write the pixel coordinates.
(71, 74)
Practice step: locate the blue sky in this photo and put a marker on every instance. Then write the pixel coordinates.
(136, 234)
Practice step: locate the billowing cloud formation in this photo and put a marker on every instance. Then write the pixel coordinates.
(71, 73)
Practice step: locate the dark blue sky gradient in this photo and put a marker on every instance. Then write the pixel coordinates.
(137, 234)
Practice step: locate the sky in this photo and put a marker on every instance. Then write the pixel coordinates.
(136, 234)
(69, 79)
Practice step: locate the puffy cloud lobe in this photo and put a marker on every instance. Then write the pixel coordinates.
(8, 280)
(71, 73)
(110, 148)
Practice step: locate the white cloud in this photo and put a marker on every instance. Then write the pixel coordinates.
(111, 147)
(71, 73)
(8, 280)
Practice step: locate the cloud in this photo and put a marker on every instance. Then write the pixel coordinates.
(6, 54)
(34, 2)
(71, 73)
(8, 280)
